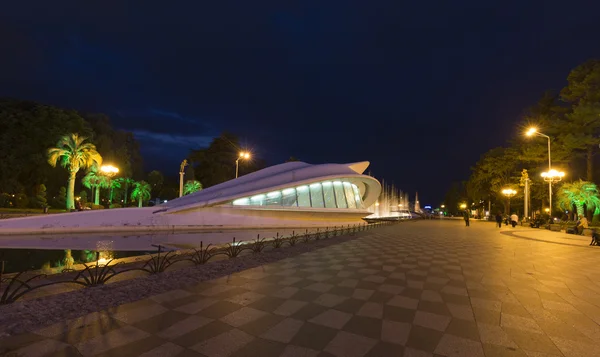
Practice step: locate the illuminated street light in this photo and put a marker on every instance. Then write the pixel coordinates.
(109, 171)
(553, 176)
(531, 132)
(463, 206)
(443, 206)
(509, 192)
(243, 155)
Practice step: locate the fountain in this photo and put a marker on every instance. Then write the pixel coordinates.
(392, 204)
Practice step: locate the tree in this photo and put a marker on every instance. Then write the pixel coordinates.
(191, 186)
(113, 184)
(141, 192)
(94, 180)
(583, 84)
(83, 197)
(21, 200)
(580, 133)
(40, 196)
(61, 198)
(581, 194)
(125, 183)
(216, 163)
(156, 181)
(72, 152)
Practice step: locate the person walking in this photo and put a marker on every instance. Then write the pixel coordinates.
(499, 219)
(514, 219)
(466, 217)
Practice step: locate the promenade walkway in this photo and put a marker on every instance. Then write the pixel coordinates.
(433, 288)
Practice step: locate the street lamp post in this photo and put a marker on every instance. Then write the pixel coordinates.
(109, 171)
(181, 173)
(243, 155)
(509, 192)
(532, 132)
(551, 177)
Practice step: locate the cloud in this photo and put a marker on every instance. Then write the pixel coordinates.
(182, 141)
(160, 121)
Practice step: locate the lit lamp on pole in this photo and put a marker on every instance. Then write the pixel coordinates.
(463, 206)
(534, 132)
(109, 171)
(552, 176)
(243, 155)
(509, 192)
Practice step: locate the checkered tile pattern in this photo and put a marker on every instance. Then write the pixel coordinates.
(424, 289)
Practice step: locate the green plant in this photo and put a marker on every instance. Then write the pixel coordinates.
(191, 186)
(16, 287)
(96, 274)
(40, 196)
(202, 256)
(306, 237)
(293, 239)
(277, 241)
(61, 198)
(233, 249)
(259, 244)
(158, 263)
(141, 192)
(579, 194)
(72, 152)
(95, 181)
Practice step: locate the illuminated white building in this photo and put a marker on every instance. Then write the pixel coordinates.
(294, 194)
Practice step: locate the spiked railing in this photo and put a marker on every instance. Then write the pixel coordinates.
(15, 286)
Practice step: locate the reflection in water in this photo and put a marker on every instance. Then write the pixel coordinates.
(68, 261)
(53, 261)
(57, 252)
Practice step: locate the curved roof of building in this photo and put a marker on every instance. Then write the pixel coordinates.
(276, 177)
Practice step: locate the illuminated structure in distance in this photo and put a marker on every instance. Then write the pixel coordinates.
(293, 194)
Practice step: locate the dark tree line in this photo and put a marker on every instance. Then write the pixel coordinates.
(28, 129)
(572, 120)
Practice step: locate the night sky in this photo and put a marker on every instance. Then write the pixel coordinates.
(420, 89)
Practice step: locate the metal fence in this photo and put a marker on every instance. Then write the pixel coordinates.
(15, 286)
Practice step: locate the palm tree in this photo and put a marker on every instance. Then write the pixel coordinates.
(113, 184)
(191, 186)
(95, 180)
(73, 153)
(141, 192)
(580, 193)
(125, 182)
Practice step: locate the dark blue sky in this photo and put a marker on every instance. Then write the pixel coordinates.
(420, 89)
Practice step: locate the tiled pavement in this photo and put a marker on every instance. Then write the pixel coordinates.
(425, 289)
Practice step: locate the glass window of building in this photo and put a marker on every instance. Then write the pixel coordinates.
(258, 200)
(288, 197)
(329, 194)
(349, 195)
(242, 202)
(340, 196)
(273, 198)
(357, 196)
(316, 195)
(303, 196)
